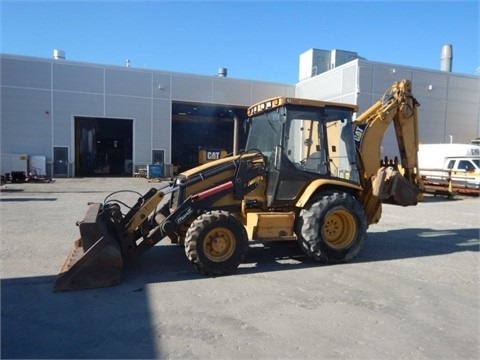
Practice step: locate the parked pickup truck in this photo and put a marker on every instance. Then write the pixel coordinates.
(457, 163)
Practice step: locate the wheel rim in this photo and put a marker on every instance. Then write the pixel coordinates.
(339, 229)
(219, 244)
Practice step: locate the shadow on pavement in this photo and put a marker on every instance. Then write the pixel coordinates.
(27, 199)
(116, 322)
(168, 262)
(111, 323)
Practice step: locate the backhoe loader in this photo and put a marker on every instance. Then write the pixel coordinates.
(310, 173)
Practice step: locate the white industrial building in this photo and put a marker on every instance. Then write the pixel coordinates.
(88, 119)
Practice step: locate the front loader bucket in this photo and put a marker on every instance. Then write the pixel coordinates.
(95, 260)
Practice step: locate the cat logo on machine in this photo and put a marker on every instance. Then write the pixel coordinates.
(213, 155)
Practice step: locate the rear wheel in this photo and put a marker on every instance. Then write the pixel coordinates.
(332, 229)
(216, 243)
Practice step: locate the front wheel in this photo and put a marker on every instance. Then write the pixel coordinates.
(216, 243)
(332, 229)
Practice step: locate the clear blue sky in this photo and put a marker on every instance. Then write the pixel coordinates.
(255, 40)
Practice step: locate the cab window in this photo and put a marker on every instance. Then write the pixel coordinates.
(466, 165)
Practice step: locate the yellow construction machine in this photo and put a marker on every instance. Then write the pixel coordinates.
(310, 173)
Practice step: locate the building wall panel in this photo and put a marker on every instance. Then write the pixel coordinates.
(349, 79)
(463, 90)
(462, 122)
(365, 78)
(128, 107)
(427, 85)
(338, 85)
(142, 140)
(191, 89)
(26, 125)
(25, 73)
(326, 86)
(162, 127)
(431, 120)
(128, 82)
(385, 76)
(78, 78)
(262, 91)
(231, 92)
(161, 86)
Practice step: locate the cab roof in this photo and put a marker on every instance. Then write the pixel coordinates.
(279, 101)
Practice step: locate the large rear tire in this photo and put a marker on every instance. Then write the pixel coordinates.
(332, 229)
(216, 243)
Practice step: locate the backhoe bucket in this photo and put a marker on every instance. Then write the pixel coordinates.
(95, 260)
(391, 187)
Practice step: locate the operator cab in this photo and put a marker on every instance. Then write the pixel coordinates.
(302, 140)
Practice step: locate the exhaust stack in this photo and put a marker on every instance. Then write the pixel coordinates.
(446, 58)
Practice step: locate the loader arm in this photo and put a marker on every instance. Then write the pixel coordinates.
(383, 181)
(109, 239)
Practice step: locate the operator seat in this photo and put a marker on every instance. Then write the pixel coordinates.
(316, 163)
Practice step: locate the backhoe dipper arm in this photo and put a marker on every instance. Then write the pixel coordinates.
(370, 127)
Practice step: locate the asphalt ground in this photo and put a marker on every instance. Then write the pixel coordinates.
(412, 293)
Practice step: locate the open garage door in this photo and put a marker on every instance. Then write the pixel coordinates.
(103, 146)
(203, 132)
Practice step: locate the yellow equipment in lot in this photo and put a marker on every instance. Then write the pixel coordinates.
(310, 173)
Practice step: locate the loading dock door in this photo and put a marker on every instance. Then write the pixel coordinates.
(202, 129)
(103, 146)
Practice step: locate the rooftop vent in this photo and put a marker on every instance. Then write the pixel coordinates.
(222, 72)
(58, 54)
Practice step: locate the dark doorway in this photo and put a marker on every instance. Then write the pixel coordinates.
(60, 161)
(103, 146)
(198, 127)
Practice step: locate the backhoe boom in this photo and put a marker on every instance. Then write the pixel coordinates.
(383, 179)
